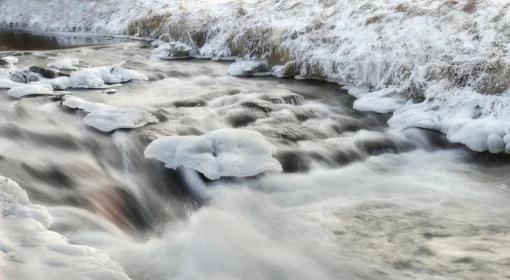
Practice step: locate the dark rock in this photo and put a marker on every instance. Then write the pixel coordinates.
(46, 73)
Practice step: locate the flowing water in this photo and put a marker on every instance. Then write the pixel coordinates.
(356, 200)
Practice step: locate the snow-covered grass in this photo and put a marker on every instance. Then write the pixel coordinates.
(452, 55)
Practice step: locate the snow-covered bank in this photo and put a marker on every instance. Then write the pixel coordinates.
(30, 250)
(427, 50)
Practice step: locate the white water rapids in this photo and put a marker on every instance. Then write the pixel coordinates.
(356, 199)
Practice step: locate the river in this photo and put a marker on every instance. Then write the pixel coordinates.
(355, 200)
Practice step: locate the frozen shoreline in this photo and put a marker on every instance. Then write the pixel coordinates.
(449, 59)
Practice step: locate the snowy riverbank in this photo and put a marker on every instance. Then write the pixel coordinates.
(449, 58)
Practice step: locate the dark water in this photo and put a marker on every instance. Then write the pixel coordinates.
(11, 39)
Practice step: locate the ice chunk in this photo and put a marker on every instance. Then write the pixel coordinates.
(246, 68)
(103, 77)
(31, 90)
(68, 63)
(172, 50)
(221, 153)
(108, 118)
(382, 101)
(76, 103)
(113, 118)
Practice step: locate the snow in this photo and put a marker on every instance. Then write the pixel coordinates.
(103, 77)
(31, 90)
(245, 68)
(68, 63)
(381, 101)
(424, 50)
(29, 249)
(172, 50)
(108, 118)
(221, 153)
(10, 59)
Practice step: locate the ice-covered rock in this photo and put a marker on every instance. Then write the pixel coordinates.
(103, 77)
(30, 250)
(108, 118)
(31, 90)
(221, 153)
(173, 50)
(44, 72)
(68, 64)
(382, 101)
(244, 68)
(113, 118)
(8, 61)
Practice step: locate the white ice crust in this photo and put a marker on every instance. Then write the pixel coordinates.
(108, 118)
(103, 77)
(29, 250)
(221, 153)
(65, 63)
(246, 68)
(172, 50)
(31, 90)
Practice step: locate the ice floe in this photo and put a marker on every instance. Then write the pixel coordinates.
(108, 118)
(221, 153)
(103, 77)
(31, 90)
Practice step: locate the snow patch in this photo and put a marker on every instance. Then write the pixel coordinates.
(172, 50)
(29, 249)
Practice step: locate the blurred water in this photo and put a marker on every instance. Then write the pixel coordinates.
(357, 200)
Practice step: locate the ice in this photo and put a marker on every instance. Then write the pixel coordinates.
(383, 101)
(221, 153)
(113, 118)
(68, 63)
(30, 250)
(378, 45)
(173, 50)
(31, 90)
(245, 68)
(108, 118)
(10, 59)
(103, 77)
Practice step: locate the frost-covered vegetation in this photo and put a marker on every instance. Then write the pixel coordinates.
(449, 56)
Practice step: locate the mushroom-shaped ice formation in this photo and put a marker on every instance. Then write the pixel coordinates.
(220, 153)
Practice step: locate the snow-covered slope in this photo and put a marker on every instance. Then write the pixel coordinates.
(451, 54)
